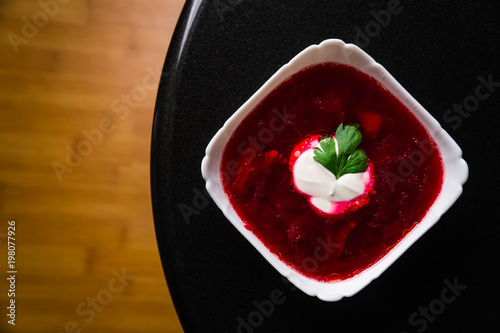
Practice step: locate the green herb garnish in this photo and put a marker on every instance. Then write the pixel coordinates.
(348, 159)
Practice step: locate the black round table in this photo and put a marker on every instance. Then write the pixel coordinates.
(446, 54)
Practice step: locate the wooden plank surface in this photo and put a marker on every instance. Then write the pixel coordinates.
(86, 254)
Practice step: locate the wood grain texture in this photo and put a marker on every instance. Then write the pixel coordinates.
(82, 82)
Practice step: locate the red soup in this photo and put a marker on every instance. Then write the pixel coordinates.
(405, 164)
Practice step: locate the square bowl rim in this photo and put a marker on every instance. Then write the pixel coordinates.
(335, 50)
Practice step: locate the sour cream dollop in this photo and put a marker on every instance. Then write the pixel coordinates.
(324, 191)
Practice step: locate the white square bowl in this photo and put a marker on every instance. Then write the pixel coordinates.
(335, 50)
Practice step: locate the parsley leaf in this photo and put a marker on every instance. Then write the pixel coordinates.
(326, 154)
(347, 159)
